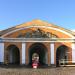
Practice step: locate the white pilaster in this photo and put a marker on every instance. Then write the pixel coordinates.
(52, 52)
(73, 52)
(23, 52)
(1, 52)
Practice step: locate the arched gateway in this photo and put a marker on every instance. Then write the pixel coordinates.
(13, 54)
(49, 43)
(61, 55)
(39, 49)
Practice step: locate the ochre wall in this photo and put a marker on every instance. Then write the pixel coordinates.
(28, 44)
(55, 32)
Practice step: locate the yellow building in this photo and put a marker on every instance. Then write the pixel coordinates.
(53, 44)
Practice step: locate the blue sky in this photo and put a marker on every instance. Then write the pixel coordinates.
(58, 12)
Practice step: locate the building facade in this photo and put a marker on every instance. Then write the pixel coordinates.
(54, 45)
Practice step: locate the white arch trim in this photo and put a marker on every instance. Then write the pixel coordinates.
(40, 27)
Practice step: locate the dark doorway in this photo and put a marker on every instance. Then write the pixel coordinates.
(14, 54)
(40, 50)
(61, 55)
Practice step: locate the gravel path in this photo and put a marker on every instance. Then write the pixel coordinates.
(30, 71)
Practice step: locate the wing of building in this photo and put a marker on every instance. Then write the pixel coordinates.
(48, 43)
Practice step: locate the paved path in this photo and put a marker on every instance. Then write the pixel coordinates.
(30, 71)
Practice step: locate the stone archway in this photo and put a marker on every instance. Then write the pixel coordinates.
(61, 55)
(13, 54)
(41, 51)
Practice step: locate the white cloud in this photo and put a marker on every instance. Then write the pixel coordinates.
(73, 30)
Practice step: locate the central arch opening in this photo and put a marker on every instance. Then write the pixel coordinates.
(41, 52)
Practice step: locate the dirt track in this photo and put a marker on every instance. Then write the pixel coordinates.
(45, 71)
